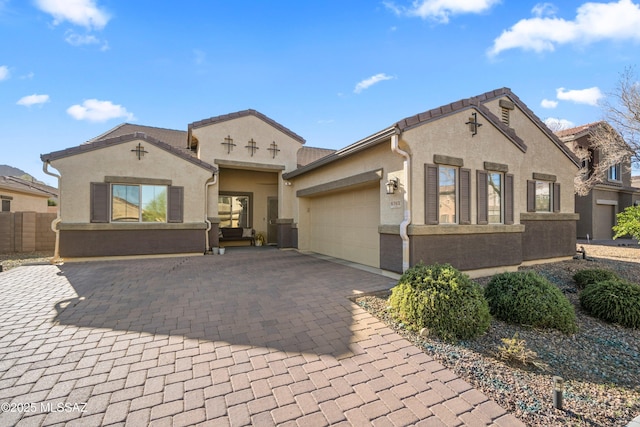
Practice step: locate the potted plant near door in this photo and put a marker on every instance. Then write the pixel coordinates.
(260, 240)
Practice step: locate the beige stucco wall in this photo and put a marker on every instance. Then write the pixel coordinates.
(241, 130)
(450, 136)
(25, 202)
(78, 171)
(542, 156)
(376, 158)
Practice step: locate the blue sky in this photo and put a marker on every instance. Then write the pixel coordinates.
(332, 71)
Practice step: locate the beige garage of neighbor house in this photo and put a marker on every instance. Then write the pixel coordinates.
(480, 183)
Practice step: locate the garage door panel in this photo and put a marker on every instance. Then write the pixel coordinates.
(345, 225)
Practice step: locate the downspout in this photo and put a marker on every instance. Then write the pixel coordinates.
(55, 222)
(211, 181)
(395, 138)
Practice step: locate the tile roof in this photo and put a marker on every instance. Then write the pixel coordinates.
(476, 103)
(244, 113)
(308, 155)
(175, 138)
(24, 186)
(102, 143)
(577, 131)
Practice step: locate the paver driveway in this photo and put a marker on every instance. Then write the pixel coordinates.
(260, 337)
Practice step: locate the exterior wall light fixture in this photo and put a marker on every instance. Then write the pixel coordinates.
(392, 185)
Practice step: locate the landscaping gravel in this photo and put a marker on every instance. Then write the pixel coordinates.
(600, 364)
(12, 260)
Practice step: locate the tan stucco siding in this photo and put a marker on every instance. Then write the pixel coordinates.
(242, 130)
(377, 158)
(542, 156)
(450, 136)
(23, 202)
(78, 171)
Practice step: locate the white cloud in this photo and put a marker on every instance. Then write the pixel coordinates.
(94, 110)
(589, 96)
(556, 124)
(4, 73)
(367, 83)
(544, 9)
(34, 99)
(548, 103)
(441, 10)
(593, 22)
(79, 12)
(75, 39)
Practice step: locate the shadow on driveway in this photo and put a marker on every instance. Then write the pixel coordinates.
(263, 298)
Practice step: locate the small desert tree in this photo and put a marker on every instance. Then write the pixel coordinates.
(628, 222)
(617, 139)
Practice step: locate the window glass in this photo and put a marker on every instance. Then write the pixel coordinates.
(154, 203)
(125, 203)
(136, 203)
(494, 199)
(614, 173)
(233, 210)
(543, 196)
(447, 191)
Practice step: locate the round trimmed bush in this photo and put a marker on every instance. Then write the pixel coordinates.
(442, 299)
(594, 275)
(527, 298)
(614, 301)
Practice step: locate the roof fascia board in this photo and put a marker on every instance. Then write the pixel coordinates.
(97, 145)
(347, 151)
(245, 113)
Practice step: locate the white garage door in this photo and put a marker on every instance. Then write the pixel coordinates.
(345, 225)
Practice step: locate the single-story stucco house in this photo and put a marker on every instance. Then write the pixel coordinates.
(481, 183)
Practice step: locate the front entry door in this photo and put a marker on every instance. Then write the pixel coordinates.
(272, 216)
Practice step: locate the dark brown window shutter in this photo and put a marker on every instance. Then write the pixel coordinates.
(482, 196)
(508, 199)
(176, 204)
(556, 197)
(465, 196)
(99, 195)
(431, 194)
(531, 196)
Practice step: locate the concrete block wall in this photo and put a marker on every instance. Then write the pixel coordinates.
(26, 232)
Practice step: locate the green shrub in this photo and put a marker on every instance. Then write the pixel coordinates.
(628, 223)
(587, 277)
(526, 298)
(442, 299)
(615, 301)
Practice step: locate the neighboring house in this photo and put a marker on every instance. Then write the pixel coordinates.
(20, 195)
(599, 208)
(481, 183)
(635, 181)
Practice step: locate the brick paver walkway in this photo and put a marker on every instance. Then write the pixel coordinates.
(261, 337)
